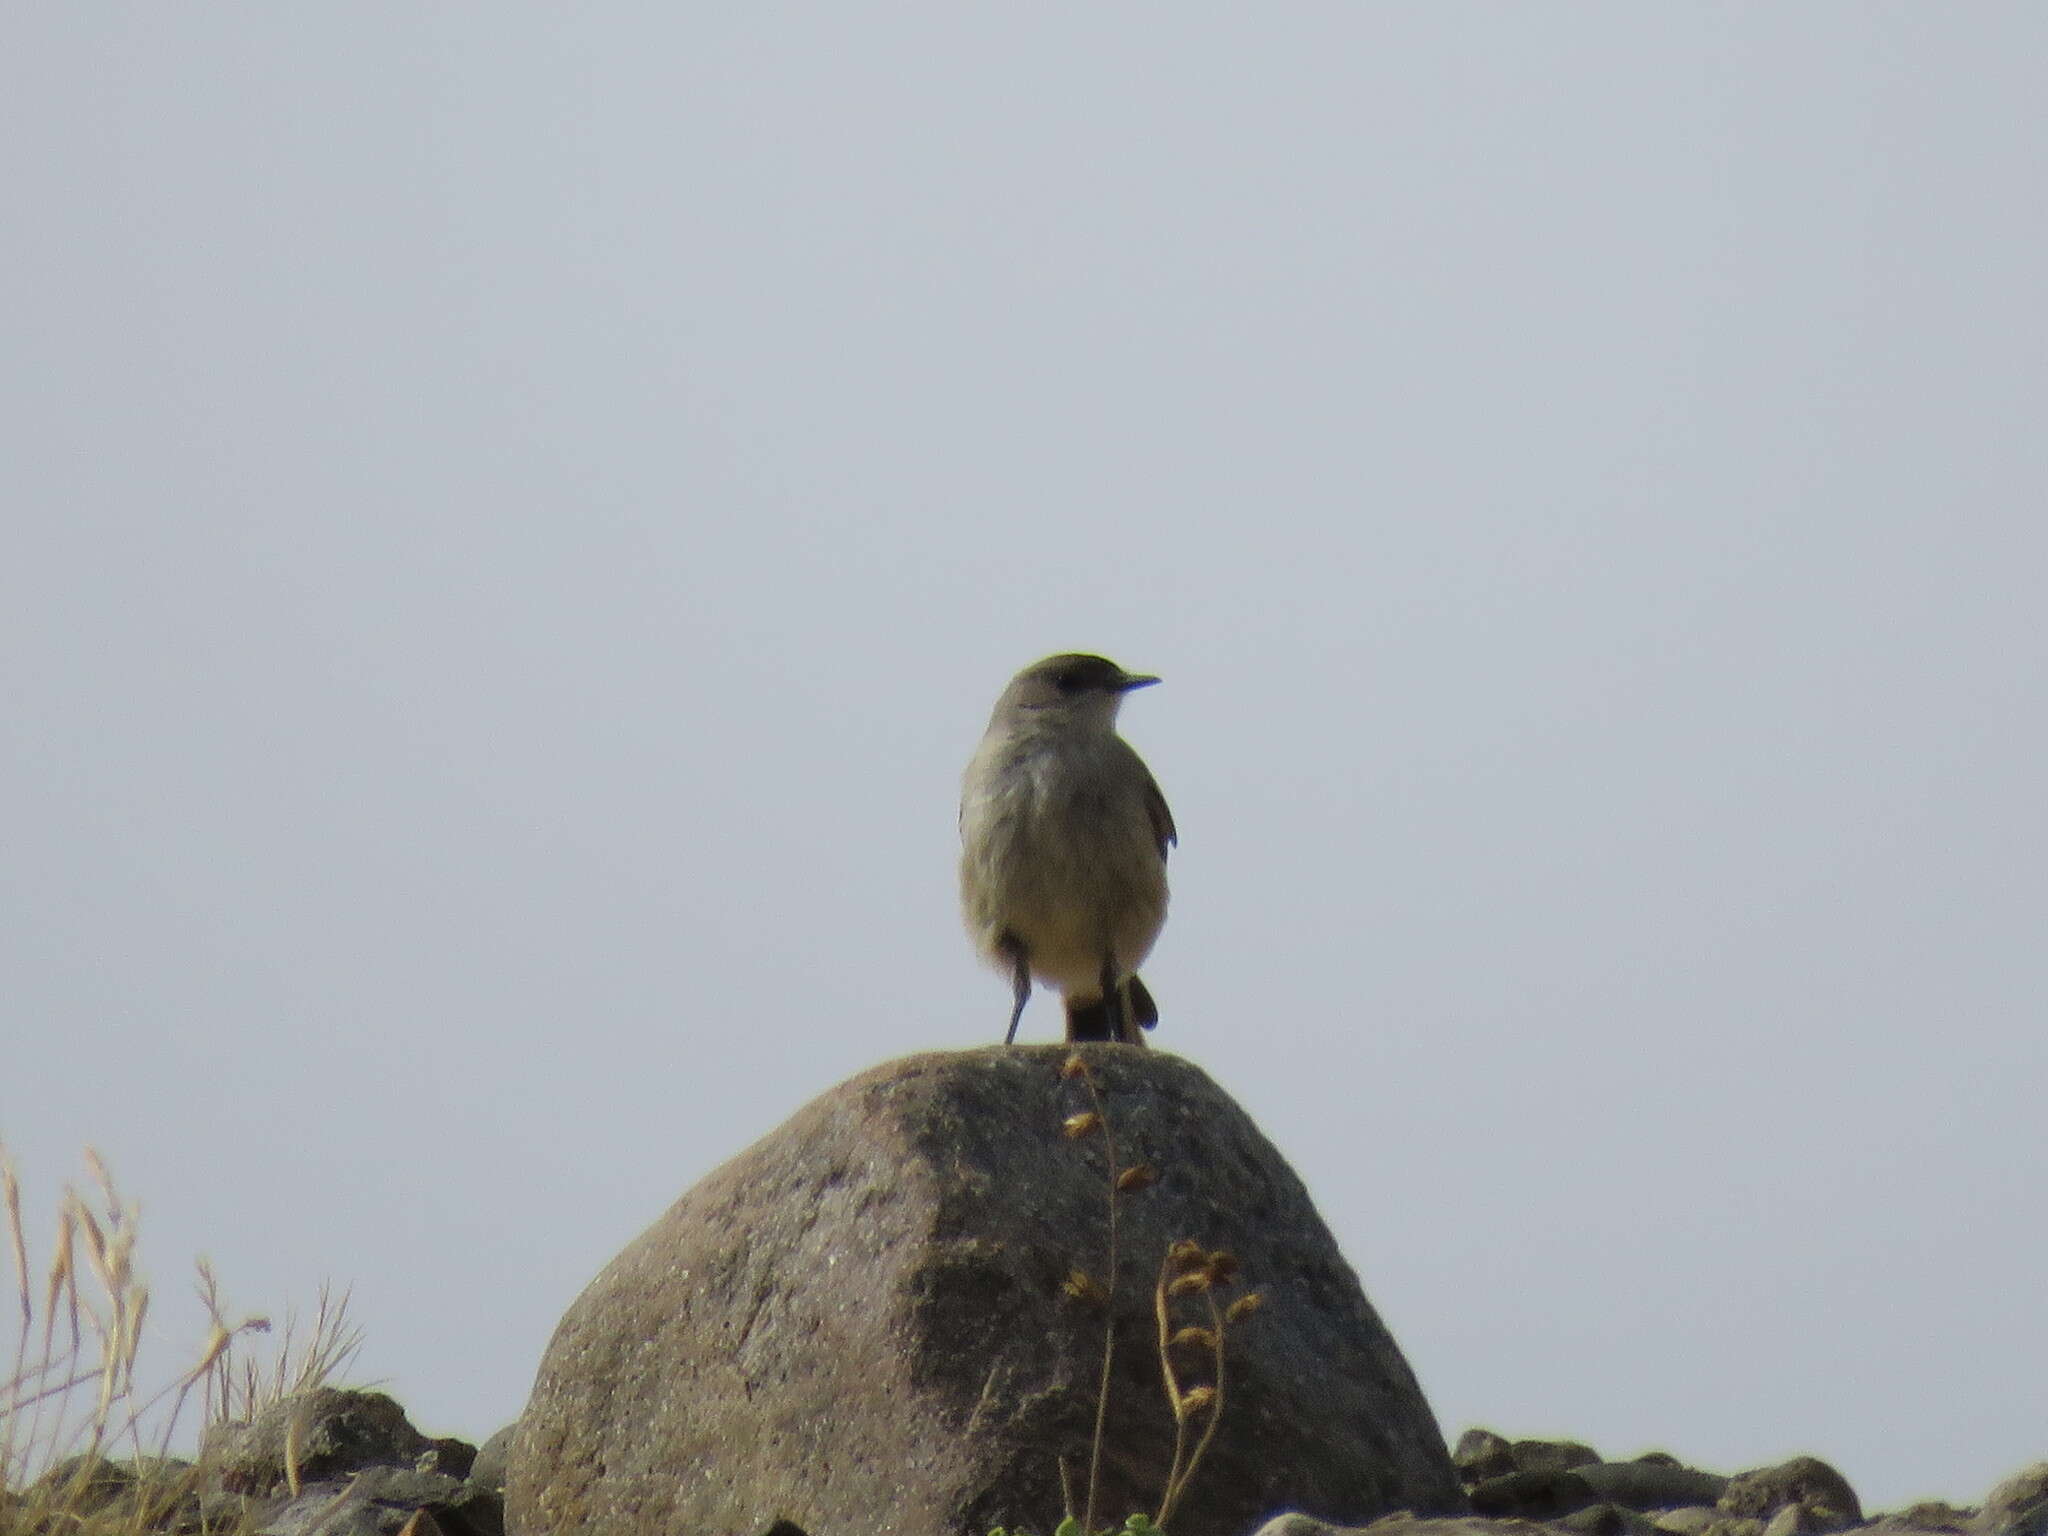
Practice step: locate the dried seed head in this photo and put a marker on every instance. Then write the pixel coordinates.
(1185, 1254)
(1193, 1283)
(138, 1310)
(1136, 1177)
(95, 1239)
(97, 1166)
(1222, 1267)
(1081, 1285)
(1073, 1066)
(10, 1195)
(217, 1343)
(61, 1260)
(1195, 1401)
(1244, 1306)
(1192, 1338)
(1077, 1126)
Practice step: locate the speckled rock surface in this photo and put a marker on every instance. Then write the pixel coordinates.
(859, 1324)
(330, 1432)
(1819, 1496)
(2018, 1506)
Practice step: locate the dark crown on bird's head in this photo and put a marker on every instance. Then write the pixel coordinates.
(1074, 672)
(1071, 678)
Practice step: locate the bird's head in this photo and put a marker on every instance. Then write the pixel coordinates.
(1069, 688)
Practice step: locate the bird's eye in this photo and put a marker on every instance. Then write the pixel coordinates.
(1078, 678)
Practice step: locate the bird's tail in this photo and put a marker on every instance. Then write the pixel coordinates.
(1095, 1020)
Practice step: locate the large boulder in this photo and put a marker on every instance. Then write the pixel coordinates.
(870, 1321)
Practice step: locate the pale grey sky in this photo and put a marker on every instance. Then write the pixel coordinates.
(515, 517)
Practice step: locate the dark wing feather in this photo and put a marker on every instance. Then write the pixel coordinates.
(1162, 819)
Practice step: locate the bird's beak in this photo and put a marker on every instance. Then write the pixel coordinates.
(1133, 681)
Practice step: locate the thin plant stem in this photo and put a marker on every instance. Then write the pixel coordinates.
(1177, 1480)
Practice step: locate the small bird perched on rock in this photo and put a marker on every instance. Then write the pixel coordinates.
(1063, 847)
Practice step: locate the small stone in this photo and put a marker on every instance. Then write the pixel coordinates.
(328, 1431)
(2018, 1506)
(1534, 1495)
(1797, 1520)
(1648, 1485)
(1697, 1520)
(325, 1509)
(1608, 1520)
(1552, 1455)
(1304, 1525)
(157, 1488)
(1930, 1515)
(488, 1470)
(1830, 1503)
(1481, 1454)
(448, 1455)
(382, 1501)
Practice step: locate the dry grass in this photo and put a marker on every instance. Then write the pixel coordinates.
(1189, 1275)
(83, 1449)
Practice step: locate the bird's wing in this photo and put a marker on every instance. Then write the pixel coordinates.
(1162, 818)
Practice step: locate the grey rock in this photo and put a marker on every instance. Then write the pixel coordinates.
(1807, 1481)
(1689, 1520)
(149, 1491)
(2018, 1506)
(320, 1509)
(447, 1455)
(1799, 1520)
(1481, 1454)
(1648, 1485)
(1697, 1520)
(1931, 1517)
(379, 1501)
(1607, 1520)
(1552, 1455)
(859, 1325)
(488, 1470)
(459, 1508)
(1305, 1525)
(337, 1431)
(1401, 1524)
(1531, 1496)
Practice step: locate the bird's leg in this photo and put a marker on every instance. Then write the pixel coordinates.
(1020, 979)
(1115, 1004)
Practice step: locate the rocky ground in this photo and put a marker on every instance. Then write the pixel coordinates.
(905, 1310)
(350, 1464)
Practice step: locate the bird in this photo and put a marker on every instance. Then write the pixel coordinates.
(1064, 835)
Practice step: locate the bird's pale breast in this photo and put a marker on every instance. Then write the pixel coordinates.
(1059, 848)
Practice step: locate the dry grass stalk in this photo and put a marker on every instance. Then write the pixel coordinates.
(1088, 1122)
(307, 1355)
(1188, 1275)
(69, 1401)
(1187, 1271)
